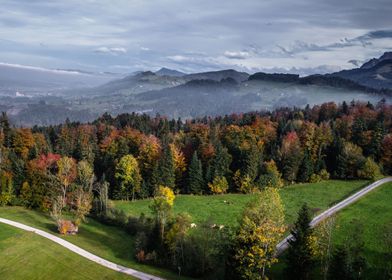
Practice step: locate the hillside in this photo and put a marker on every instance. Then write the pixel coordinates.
(376, 73)
(34, 257)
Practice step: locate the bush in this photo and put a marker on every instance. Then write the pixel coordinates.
(219, 185)
(315, 178)
(370, 170)
(324, 174)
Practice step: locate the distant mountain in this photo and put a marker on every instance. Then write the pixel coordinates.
(372, 62)
(166, 78)
(218, 75)
(191, 95)
(134, 84)
(169, 72)
(275, 77)
(376, 73)
(320, 80)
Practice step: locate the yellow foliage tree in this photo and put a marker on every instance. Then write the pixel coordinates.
(261, 229)
(161, 207)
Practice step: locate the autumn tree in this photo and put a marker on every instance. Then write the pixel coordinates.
(179, 164)
(219, 185)
(83, 194)
(175, 238)
(291, 156)
(261, 229)
(128, 176)
(161, 207)
(270, 177)
(66, 174)
(349, 161)
(22, 142)
(6, 188)
(386, 157)
(369, 170)
(102, 189)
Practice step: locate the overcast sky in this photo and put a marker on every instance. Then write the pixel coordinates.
(303, 36)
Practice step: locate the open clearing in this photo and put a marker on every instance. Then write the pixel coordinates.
(226, 209)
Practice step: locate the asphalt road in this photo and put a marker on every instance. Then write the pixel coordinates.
(283, 245)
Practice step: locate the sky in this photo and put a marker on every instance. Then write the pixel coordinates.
(123, 36)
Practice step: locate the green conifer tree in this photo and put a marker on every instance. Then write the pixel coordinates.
(195, 177)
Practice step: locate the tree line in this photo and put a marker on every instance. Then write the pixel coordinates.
(235, 153)
(73, 168)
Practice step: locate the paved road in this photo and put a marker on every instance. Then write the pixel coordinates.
(283, 245)
(83, 253)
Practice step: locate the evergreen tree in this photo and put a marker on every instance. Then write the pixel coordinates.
(164, 173)
(374, 149)
(252, 162)
(5, 127)
(306, 168)
(221, 163)
(300, 255)
(195, 177)
(339, 268)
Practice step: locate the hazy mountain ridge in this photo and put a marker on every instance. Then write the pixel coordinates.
(376, 73)
(169, 72)
(195, 95)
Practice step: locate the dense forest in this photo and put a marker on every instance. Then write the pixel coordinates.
(75, 168)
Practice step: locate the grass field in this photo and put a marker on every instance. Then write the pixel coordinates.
(373, 212)
(319, 196)
(25, 255)
(115, 245)
(107, 242)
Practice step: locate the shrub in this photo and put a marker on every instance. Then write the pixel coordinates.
(315, 178)
(324, 174)
(370, 170)
(219, 185)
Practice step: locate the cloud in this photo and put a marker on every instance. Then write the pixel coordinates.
(236, 34)
(236, 55)
(112, 51)
(356, 62)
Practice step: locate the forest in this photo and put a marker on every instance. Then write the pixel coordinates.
(74, 170)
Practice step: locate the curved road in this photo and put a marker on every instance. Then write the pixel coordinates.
(283, 245)
(83, 253)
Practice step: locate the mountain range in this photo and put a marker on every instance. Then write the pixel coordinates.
(40, 96)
